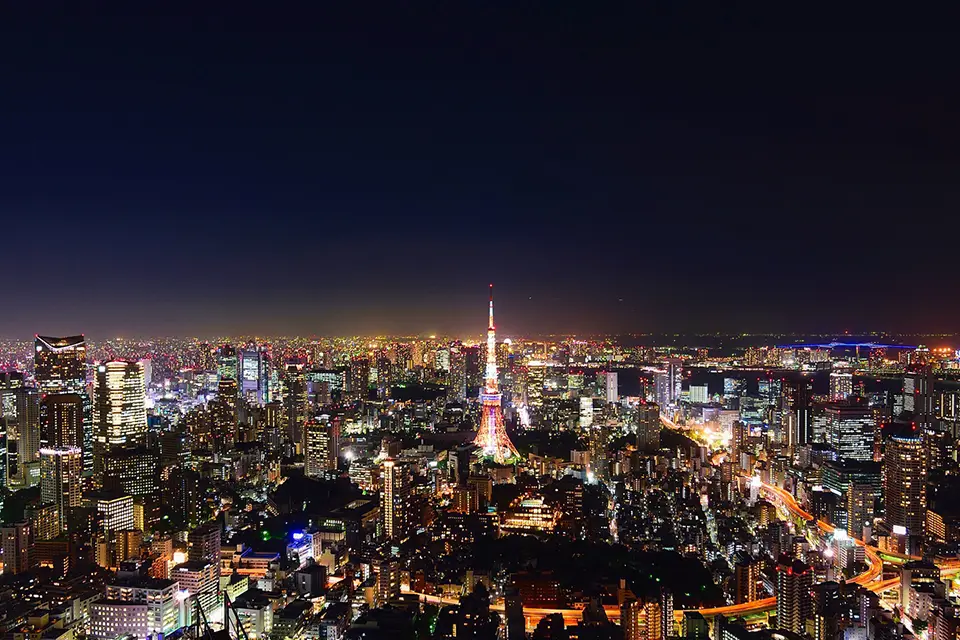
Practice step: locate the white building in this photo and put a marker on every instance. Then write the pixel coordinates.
(139, 608)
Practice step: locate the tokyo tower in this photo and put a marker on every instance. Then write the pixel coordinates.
(492, 438)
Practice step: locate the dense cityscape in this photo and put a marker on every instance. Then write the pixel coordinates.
(640, 487)
(256, 384)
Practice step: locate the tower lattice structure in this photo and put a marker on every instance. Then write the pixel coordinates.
(492, 438)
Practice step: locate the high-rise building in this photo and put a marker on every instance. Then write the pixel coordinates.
(135, 471)
(252, 378)
(359, 378)
(492, 438)
(612, 386)
(699, 394)
(918, 395)
(295, 402)
(668, 381)
(60, 364)
(322, 446)
(203, 543)
(905, 483)
(228, 363)
(841, 382)
(827, 610)
(139, 608)
(851, 430)
(648, 426)
(120, 412)
(395, 500)
(61, 480)
(746, 579)
(201, 579)
(45, 520)
(17, 547)
(115, 513)
(667, 617)
(794, 580)
(61, 421)
(860, 507)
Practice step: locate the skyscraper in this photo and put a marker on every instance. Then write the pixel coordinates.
(648, 426)
(60, 364)
(61, 472)
(61, 420)
(794, 580)
(860, 501)
(905, 483)
(746, 578)
(492, 438)
(395, 500)
(841, 382)
(321, 446)
(295, 402)
(120, 413)
(851, 430)
(17, 546)
(918, 395)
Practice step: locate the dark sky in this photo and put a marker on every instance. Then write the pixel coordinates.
(371, 166)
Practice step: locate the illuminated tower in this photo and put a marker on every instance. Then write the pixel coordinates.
(492, 438)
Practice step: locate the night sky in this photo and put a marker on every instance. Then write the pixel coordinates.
(284, 168)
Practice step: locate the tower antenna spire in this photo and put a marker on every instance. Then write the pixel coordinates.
(492, 438)
(490, 325)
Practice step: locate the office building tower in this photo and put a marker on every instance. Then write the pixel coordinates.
(135, 471)
(794, 580)
(395, 500)
(699, 394)
(322, 446)
(359, 378)
(861, 498)
(457, 379)
(694, 626)
(61, 480)
(200, 579)
(252, 377)
(905, 483)
(295, 401)
(611, 382)
(26, 425)
(17, 547)
(120, 413)
(746, 580)
(45, 520)
(648, 426)
(667, 617)
(61, 421)
(203, 543)
(115, 513)
(228, 362)
(851, 430)
(918, 395)
(828, 611)
(60, 364)
(841, 382)
(224, 416)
